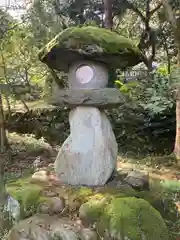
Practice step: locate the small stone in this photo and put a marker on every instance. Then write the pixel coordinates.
(13, 207)
(42, 169)
(88, 234)
(51, 166)
(37, 162)
(115, 183)
(54, 205)
(138, 180)
(43, 208)
(53, 178)
(119, 184)
(73, 204)
(59, 125)
(57, 205)
(122, 174)
(40, 176)
(51, 194)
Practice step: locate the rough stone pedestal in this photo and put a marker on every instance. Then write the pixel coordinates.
(89, 155)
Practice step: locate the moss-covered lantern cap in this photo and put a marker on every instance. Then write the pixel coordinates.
(90, 43)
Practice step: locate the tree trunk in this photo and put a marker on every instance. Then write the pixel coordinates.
(3, 138)
(177, 141)
(8, 104)
(175, 27)
(27, 77)
(2, 195)
(3, 145)
(108, 21)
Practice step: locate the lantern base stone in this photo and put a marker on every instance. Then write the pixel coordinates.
(100, 98)
(88, 156)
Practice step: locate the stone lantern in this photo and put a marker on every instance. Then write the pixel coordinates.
(87, 54)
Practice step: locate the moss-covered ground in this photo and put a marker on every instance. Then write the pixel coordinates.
(32, 194)
(162, 195)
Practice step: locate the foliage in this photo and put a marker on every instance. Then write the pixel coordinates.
(151, 105)
(6, 224)
(155, 94)
(126, 88)
(44, 22)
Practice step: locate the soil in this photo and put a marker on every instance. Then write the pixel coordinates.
(23, 161)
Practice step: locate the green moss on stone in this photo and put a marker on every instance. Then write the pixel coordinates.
(94, 201)
(92, 209)
(72, 194)
(81, 38)
(84, 192)
(27, 194)
(122, 190)
(89, 41)
(132, 218)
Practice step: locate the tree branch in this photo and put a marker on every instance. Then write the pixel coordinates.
(137, 11)
(155, 9)
(147, 18)
(147, 8)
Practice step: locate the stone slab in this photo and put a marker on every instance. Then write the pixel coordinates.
(101, 98)
(89, 155)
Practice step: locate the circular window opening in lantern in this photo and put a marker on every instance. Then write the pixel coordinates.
(84, 74)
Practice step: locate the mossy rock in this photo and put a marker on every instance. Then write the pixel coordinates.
(45, 227)
(155, 197)
(164, 205)
(132, 219)
(90, 43)
(28, 195)
(122, 190)
(31, 195)
(90, 211)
